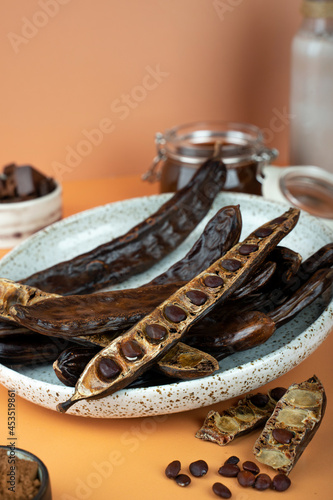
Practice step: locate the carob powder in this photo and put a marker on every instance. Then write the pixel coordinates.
(18, 478)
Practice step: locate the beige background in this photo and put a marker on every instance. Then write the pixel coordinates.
(85, 85)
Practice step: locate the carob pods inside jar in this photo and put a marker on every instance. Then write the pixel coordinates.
(184, 313)
(143, 245)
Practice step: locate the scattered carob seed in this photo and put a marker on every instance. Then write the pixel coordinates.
(232, 460)
(229, 470)
(281, 482)
(251, 467)
(198, 468)
(246, 478)
(173, 469)
(263, 482)
(183, 480)
(221, 490)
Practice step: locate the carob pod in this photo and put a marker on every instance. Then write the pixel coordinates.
(182, 362)
(221, 233)
(252, 328)
(237, 333)
(143, 245)
(260, 279)
(295, 420)
(121, 309)
(313, 288)
(15, 293)
(30, 349)
(245, 416)
(149, 340)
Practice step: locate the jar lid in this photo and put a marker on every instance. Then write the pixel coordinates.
(194, 142)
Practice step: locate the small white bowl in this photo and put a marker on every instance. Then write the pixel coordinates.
(21, 219)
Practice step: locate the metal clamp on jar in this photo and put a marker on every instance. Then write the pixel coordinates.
(182, 149)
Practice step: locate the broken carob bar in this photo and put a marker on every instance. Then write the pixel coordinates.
(245, 416)
(292, 425)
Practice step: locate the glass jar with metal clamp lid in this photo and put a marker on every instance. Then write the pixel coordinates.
(182, 149)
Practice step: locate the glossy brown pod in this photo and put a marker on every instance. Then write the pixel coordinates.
(90, 385)
(143, 245)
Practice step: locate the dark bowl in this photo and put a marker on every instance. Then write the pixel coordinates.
(44, 492)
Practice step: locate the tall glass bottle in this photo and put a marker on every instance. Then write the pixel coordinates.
(312, 87)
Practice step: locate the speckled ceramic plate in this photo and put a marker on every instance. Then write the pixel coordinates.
(238, 373)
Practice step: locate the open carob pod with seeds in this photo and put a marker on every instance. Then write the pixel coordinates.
(245, 416)
(128, 356)
(295, 420)
(119, 309)
(143, 245)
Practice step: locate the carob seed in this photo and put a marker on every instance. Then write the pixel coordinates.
(198, 468)
(251, 467)
(156, 331)
(263, 482)
(131, 350)
(183, 480)
(277, 393)
(196, 297)
(174, 313)
(108, 369)
(281, 482)
(231, 264)
(213, 281)
(282, 436)
(173, 469)
(247, 249)
(260, 400)
(278, 220)
(246, 478)
(263, 232)
(232, 460)
(221, 490)
(229, 470)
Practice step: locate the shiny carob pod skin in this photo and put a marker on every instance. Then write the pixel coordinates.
(121, 309)
(143, 245)
(139, 348)
(182, 362)
(293, 423)
(30, 349)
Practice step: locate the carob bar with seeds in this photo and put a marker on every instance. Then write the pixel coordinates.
(295, 420)
(247, 415)
(127, 357)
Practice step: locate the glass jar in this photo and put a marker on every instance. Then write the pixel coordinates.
(311, 96)
(182, 149)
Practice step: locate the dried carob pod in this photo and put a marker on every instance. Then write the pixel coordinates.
(119, 310)
(30, 349)
(313, 288)
(295, 420)
(149, 340)
(182, 362)
(143, 245)
(187, 363)
(236, 333)
(245, 416)
(221, 233)
(15, 293)
(71, 362)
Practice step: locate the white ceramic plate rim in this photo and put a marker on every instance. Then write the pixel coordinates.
(246, 375)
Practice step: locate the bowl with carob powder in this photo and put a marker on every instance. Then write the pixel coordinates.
(23, 476)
